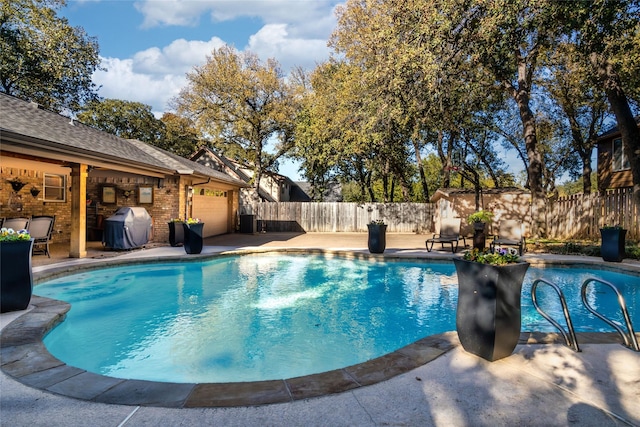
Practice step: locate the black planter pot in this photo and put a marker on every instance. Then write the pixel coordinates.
(612, 246)
(193, 237)
(479, 238)
(488, 317)
(377, 238)
(176, 233)
(16, 276)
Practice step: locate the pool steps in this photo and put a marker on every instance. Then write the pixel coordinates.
(628, 336)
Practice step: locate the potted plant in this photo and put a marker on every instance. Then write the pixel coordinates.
(193, 235)
(16, 276)
(613, 242)
(488, 316)
(176, 232)
(377, 241)
(479, 220)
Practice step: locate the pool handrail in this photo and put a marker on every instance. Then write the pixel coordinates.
(570, 340)
(629, 341)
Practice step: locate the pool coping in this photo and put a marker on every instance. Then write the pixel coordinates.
(25, 358)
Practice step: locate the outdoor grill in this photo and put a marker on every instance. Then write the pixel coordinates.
(128, 228)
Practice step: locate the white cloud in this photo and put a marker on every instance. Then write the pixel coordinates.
(155, 75)
(273, 41)
(122, 82)
(178, 57)
(171, 12)
(295, 33)
(312, 18)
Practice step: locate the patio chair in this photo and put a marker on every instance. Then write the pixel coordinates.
(41, 229)
(449, 234)
(16, 223)
(509, 234)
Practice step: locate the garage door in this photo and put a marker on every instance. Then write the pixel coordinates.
(212, 208)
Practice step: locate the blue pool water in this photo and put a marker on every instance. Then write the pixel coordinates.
(272, 316)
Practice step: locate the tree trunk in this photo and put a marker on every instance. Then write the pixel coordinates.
(446, 161)
(423, 178)
(585, 157)
(534, 170)
(624, 117)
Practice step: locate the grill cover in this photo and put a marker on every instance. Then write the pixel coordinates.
(128, 228)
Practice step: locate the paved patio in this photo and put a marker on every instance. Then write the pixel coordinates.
(540, 384)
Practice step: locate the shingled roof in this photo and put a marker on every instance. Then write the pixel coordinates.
(27, 128)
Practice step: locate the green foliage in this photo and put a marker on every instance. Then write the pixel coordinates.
(10, 235)
(480, 216)
(180, 137)
(576, 187)
(499, 257)
(43, 58)
(242, 104)
(126, 119)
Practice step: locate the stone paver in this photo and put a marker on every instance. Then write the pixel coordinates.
(540, 384)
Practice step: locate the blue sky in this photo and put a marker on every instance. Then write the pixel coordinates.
(148, 46)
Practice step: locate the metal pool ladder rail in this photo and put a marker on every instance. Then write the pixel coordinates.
(570, 339)
(630, 341)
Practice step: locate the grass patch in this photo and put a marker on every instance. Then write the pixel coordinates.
(577, 247)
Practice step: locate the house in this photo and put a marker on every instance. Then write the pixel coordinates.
(273, 187)
(83, 175)
(504, 203)
(614, 168)
(302, 190)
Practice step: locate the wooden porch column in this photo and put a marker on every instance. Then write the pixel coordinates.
(78, 246)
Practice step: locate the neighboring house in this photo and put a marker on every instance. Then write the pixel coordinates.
(273, 187)
(504, 203)
(82, 175)
(614, 168)
(301, 192)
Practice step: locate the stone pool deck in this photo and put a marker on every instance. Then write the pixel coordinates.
(540, 384)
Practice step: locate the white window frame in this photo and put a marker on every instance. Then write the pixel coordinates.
(60, 189)
(620, 161)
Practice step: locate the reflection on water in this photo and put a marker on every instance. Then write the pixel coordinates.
(271, 316)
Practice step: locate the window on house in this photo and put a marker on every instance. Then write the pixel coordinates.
(54, 188)
(620, 160)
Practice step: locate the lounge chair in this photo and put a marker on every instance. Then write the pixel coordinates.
(16, 224)
(449, 234)
(41, 229)
(509, 234)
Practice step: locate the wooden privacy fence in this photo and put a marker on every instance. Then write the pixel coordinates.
(582, 216)
(344, 217)
(573, 217)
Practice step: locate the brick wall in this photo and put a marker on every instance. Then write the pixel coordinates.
(23, 204)
(167, 196)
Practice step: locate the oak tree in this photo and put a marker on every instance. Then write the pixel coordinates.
(44, 59)
(244, 106)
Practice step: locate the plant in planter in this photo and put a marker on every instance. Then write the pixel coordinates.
(488, 316)
(176, 232)
(613, 242)
(16, 279)
(479, 220)
(377, 241)
(193, 236)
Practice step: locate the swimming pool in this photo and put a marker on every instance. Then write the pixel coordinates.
(272, 316)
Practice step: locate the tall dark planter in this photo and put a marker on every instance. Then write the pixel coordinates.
(193, 238)
(488, 317)
(612, 246)
(176, 233)
(377, 241)
(16, 276)
(479, 236)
